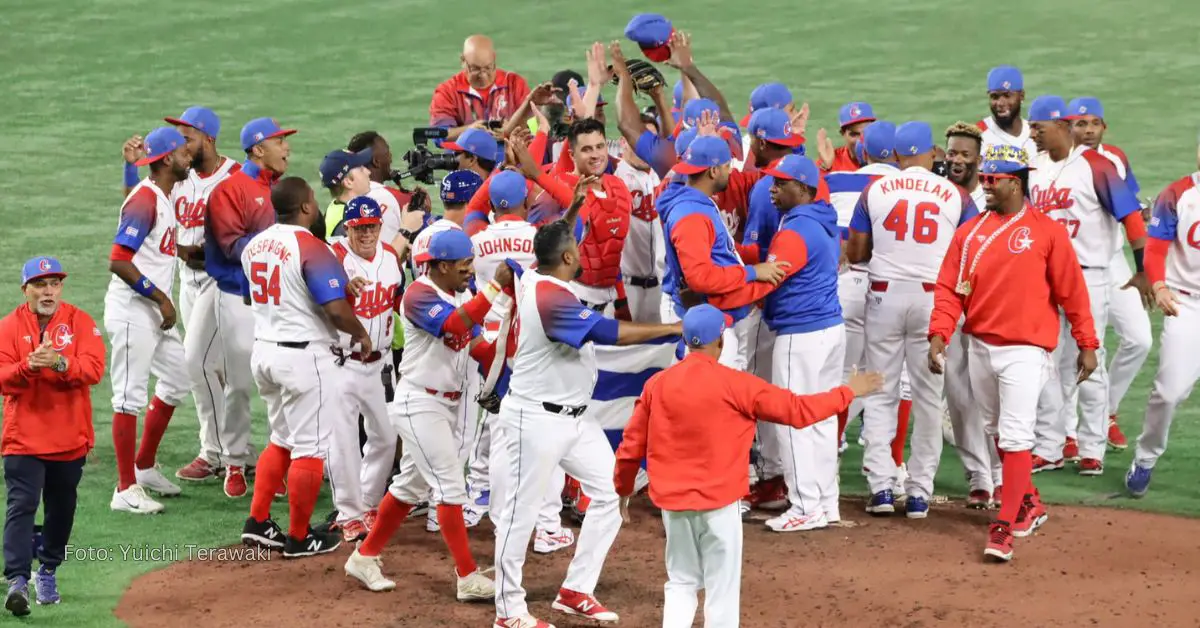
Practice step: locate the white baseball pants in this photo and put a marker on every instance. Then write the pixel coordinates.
(1131, 322)
(761, 343)
(361, 477)
(469, 414)
(1178, 370)
(666, 310)
(478, 474)
(805, 364)
(202, 351)
(426, 423)
(644, 303)
(535, 442)
(897, 330)
(139, 352)
(976, 450)
(852, 294)
(549, 516)
(235, 330)
(302, 389)
(1005, 381)
(704, 551)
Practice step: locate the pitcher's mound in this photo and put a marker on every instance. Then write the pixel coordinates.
(1085, 567)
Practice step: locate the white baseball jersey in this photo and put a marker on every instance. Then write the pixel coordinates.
(509, 237)
(845, 188)
(146, 227)
(1176, 219)
(292, 274)
(993, 135)
(979, 197)
(554, 362)
(432, 358)
(640, 256)
(380, 297)
(911, 216)
(1085, 194)
(390, 207)
(420, 244)
(190, 200)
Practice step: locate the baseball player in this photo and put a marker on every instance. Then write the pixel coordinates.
(545, 426)
(1082, 189)
(765, 96)
(642, 258)
(1126, 312)
(852, 119)
(700, 414)
(298, 301)
(376, 278)
(978, 453)
(238, 208)
(439, 318)
(902, 226)
(140, 319)
(1006, 127)
(1011, 331)
(1173, 264)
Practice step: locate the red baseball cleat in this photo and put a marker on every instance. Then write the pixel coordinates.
(1091, 466)
(197, 470)
(979, 499)
(996, 495)
(1030, 517)
(235, 482)
(581, 605)
(1000, 542)
(1071, 450)
(1041, 464)
(1116, 438)
(769, 494)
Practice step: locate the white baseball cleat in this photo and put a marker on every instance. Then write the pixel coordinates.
(431, 520)
(798, 522)
(367, 570)
(475, 586)
(472, 516)
(135, 500)
(546, 542)
(153, 479)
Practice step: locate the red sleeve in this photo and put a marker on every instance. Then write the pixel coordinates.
(693, 238)
(788, 246)
(121, 253)
(1156, 260)
(948, 304)
(224, 220)
(475, 309)
(474, 226)
(484, 352)
(480, 202)
(757, 399)
(1135, 226)
(442, 109)
(747, 251)
(14, 368)
(1069, 289)
(537, 148)
(86, 367)
(559, 191)
(565, 162)
(634, 441)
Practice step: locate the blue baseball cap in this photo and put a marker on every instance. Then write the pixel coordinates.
(703, 153)
(774, 126)
(913, 138)
(651, 32)
(39, 267)
(362, 210)
(768, 95)
(1085, 106)
(703, 324)
(448, 245)
(1005, 159)
(477, 142)
(677, 97)
(200, 118)
(507, 190)
(159, 143)
(337, 164)
(260, 129)
(459, 186)
(1005, 78)
(696, 107)
(1047, 108)
(795, 168)
(879, 140)
(855, 112)
(685, 139)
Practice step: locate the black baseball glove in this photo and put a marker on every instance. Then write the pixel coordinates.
(645, 76)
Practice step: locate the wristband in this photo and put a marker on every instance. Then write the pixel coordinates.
(131, 175)
(490, 291)
(1139, 260)
(144, 287)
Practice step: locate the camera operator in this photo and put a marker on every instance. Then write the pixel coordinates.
(476, 150)
(478, 94)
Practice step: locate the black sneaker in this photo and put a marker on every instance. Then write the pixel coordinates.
(317, 542)
(267, 534)
(421, 508)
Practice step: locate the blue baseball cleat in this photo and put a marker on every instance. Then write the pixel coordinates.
(882, 503)
(916, 507)
(1137, 480)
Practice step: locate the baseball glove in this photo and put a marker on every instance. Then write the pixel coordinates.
(645, 76)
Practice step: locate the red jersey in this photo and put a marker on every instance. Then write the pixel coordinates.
(694, 423)
(546, 201)
(1022, 279)
(49, 414)
(843, 161)
(238, 209)
(456, 103)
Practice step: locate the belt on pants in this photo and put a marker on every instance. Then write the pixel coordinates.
(571, 411)
(452, 396)
(882, 286)
(366, 358)
(643, 282)
(293, 345)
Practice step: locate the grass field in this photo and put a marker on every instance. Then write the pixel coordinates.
(81, 77)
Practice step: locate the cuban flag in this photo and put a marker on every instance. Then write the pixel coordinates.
(622, 373)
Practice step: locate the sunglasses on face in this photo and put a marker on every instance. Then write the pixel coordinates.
(993, 179)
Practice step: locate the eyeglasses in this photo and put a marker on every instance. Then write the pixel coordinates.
(993, 179)
(480, 69)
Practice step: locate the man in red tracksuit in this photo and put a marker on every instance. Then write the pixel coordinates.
(51, 354)
(478, 94)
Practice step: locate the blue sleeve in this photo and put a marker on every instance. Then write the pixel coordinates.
(579, 230)
(1131, 180)
(647, 146)
(1164, 221)
(760, 227)
(564, 318)
(1111, 190)
(604, 332)
(969, 210)
(137, 220)
(324, 276)
(425, 309)
(861, 220)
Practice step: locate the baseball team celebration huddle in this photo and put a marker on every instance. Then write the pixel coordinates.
(692, 303)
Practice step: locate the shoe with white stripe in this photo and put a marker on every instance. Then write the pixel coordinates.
(153, 479)
(135, 500)
(582, 605)
(475, 586)
(548, 542)
(798, 522)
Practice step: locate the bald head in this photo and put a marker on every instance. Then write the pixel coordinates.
(479, 61)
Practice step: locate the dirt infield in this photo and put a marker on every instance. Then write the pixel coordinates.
(1086, 567)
